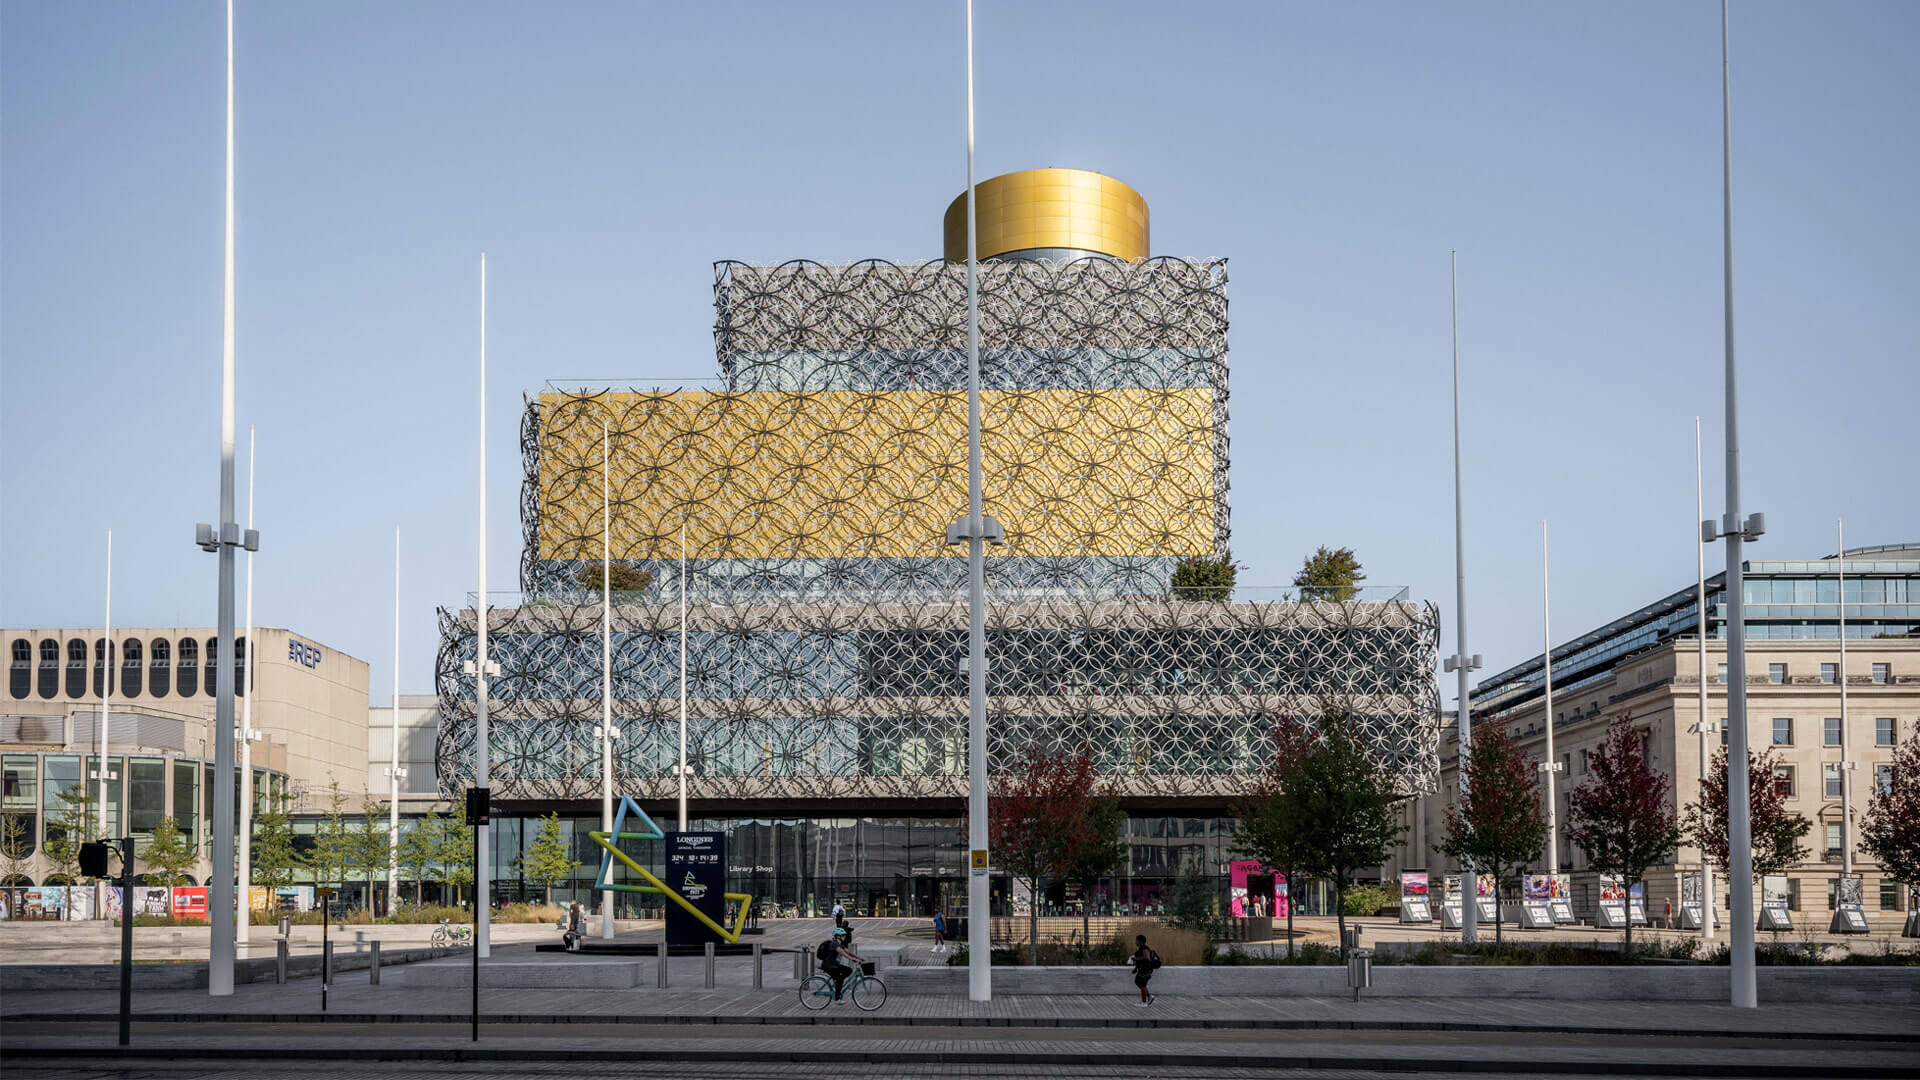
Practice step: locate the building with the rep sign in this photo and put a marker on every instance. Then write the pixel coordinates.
(807, 497)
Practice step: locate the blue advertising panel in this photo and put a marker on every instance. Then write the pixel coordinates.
(696, 868)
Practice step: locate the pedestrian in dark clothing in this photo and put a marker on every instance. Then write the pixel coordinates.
(1144, 962)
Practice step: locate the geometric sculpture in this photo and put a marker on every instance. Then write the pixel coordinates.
(602, 882)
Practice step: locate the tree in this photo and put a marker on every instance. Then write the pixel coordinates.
(624, 578)
(1102, 854)
(1776, 830)
(372, 847)
(453, 850)
(333, 852)
(1498, 825)
(67, 828)
(1329, 574)
(1345, 808)
(274, 856)
(1191, 904)
(419, 846)
(169, 855)
(1270, 829)
(1204, 577)
(548, 859)
(16, 844)
(1890, 831)
(1040, 818)
(1622, 815)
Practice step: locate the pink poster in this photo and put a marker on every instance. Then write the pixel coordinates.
(1254, 891)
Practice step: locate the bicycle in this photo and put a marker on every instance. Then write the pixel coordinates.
(446, 935)
(866, 990)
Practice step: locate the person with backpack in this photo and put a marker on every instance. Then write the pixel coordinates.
(1145, 961)
(939, 931)
(833, 955)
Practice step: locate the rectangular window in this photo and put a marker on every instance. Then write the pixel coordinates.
(1783, 731)
(116, 774)
(1883, 778)
(1783, 780)
(1723, 673)
(1830, 731)
(186, 801)
(1883, 731)
(1583, 763)
(1890, 891)
(20, 781)
(1830, 673)
(1881, 673)
(1833, 847)
(1793, 894)
(1776, 673)
(146, 794)
(1831, 778)
(64, 798)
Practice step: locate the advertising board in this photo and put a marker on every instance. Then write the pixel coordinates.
(1253, 890)
(190, 901)
(696, 868)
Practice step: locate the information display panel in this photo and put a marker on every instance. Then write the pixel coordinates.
(696, 868)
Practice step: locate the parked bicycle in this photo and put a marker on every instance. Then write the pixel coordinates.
(866, 990)
(446, 935)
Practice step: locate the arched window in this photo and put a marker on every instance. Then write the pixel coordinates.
(187, 671)
(240, 666)
(76, 668)
(49, 667)
(101, 661)
(157, 673)
(20, 676)
(212, 664)
(131, 677)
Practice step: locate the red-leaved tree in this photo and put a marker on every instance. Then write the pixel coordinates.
(1890, 831)
(1777, 831)
(1622, 815)
(1270, 820)
(1499, 825)
(1044, 817)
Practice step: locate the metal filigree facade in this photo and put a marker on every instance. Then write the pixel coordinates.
(827, 630)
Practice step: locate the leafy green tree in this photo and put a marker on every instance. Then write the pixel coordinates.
(1345, 807)
(1270, 816)
(453, 850)
(1190, 906)
(333, 852)
(624, 578)
(548, 859)
(169, 856)
(1100, 854)
(67, 828)
(1890, 831)
(419, 847)
(1330, 574)
(1498, 826)
(16, 844)
(274, 857)
(1621, 815)
(372, 847)
(1204, 577)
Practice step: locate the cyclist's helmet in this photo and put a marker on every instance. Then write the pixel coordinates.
(839, 931)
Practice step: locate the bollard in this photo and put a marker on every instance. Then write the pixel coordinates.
(326, 972)
(660, 977)
(799, 964)
(286, 926)
(756, 965)
(373, 964)
(280, 961)
(709, 965)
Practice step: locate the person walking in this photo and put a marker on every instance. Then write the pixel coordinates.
(939, 931)
(1144, 961)
(573, 926)
(839, 914)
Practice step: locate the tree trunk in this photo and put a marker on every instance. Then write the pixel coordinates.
(1627, 950)
(1340, 912)
(1497, 939)
(1289, 914)
(1086, 922)
(1033, 921)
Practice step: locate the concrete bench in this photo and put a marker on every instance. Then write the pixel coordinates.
(578, 975)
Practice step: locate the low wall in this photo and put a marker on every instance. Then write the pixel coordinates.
(193, 976)
(1882, 986)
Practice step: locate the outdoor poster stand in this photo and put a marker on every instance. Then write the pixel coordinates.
(1773, 903)
(1488, 909)
(1639, 911)
(1414, 906)
(1849, 913)
(1612, 915)
(1535, 916)
(1450, 915)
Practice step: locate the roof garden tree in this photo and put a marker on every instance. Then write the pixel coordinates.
(1270, 824)
(1622, 816)
(1330, 574)
(1345, 805)
(621, 577)
(1204, 577)
(1890, 831)
(1041, 818)
(548, 859)
(1498, 825)
(1777, 831)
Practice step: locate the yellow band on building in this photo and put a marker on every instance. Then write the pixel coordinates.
(1050, 210)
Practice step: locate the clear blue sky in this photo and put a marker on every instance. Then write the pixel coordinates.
(604, 155)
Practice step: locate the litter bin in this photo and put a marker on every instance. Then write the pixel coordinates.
(1350, 938)
(1359, 970)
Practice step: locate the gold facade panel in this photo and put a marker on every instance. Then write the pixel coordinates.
(1051, 208)
(857, 474)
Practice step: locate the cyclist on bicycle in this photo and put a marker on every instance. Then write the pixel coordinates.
(834, 953)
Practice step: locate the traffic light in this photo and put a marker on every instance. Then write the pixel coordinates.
(93, 860)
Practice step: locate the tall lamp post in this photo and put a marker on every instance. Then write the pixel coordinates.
(606, 732)
(1551, 766)
(1461, 661)
(482, 668)
(1708, 907)
(245, 875)
(395, 771)
(1736, 531)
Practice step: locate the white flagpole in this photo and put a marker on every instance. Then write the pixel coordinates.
(106, 697)
(245, 919)
(606, 662)
(1708, 905)
(1846, 786)
(1552, 765)
(220, 899)
(979, 947)
(683, 676)
(393, 786)
(1461, 661)
(483, 771)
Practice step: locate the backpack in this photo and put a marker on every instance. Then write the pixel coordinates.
(826, 952)
(1153, 960)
